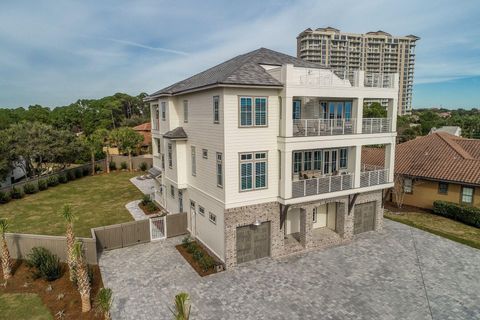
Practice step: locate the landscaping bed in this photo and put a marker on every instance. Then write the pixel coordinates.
(198, 257)
(60, 294)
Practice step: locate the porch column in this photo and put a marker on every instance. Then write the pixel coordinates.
(286, 174)
(357, 151)
(358, 113)
(390, 160)
(392, 111)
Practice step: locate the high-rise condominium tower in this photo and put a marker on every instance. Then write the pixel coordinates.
(374, 52)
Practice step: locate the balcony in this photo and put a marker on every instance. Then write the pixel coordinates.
(322, 127)
(379, 80)
(321, 185)
(376, 125)
(373, 177)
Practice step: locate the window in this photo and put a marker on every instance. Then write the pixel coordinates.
(159, 149)
(250, 116)
(317, 160)
(307, 163)
(185, 110)
(216, 109)
(314, 215)
(194, 162)
(442, 187)
(169, 155)
(297, 109)
(467, 195)
(201, 210)
(192, 204)
(407, 185)
(219, 170)
(205, 153)
(172, 191)
(163, 161)
(343, 158)
(164, 110)
(260, 111)
(212, 218)
(156, 113)
(297, 162)
(253, 171)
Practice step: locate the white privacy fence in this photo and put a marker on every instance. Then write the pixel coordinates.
(314, 186)
(323, 127)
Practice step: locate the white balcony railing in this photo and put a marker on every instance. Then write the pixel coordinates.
(376, 125)
(373, 178)
(379, 80)
(326, 184)
(322, 127)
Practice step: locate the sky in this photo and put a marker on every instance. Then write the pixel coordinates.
(55, 52)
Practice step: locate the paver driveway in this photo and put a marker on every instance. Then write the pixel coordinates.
(375, 277)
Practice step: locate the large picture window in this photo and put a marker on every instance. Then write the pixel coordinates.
(253, 171)
(253, 111)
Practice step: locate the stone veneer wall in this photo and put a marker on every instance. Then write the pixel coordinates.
(270, 212)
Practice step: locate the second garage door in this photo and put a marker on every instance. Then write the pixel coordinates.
(364, 217)
(253, 242)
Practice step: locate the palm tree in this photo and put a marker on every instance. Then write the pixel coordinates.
(182, 306)
(103, 302)
(83, 282)
(69, 217)
(6, 261)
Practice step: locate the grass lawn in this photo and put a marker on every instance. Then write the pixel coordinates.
(97, 201)
(23, 306)
(438, 225)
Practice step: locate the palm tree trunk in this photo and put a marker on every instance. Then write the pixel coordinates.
(70, 255)
(6, 262)
(130, 160)
(93, 163)
(107, 166)
(106, 315)
(86, 305)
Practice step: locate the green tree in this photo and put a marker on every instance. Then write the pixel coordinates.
(127, 140)
(374, 110)
(94, 143)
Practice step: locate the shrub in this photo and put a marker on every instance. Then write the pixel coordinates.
(45, 264)
(146, 200)
(463, 213)
(192, 247)
(207, 263)
(71, 175)
(186, 241)
(62, 178)
(197, 255)
(86, 171)
(5, 197)
(143, 166)
(52, 181)
(98, 168)
(151, 207)
(42, 185)
(123, 165)
(30, 188)
(112, 165)
(16, 193)
(78, 173)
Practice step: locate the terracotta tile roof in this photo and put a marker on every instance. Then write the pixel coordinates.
(145, 130)
(147, 126)
(438, 156)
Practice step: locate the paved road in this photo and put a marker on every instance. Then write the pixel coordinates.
(399, 273)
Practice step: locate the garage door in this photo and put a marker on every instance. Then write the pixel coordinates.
(253, 242)
(364, 217)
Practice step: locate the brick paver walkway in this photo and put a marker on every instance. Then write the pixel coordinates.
(399, 273)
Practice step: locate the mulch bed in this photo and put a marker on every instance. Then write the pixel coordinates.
(405, 208)
(195, 265)
(71, 304)
(148, 213)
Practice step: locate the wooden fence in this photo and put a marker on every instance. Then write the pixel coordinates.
(122, 235)
(20, 245)
(176, 224)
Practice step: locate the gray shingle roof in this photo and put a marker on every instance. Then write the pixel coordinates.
(177, 133)
(244, 69)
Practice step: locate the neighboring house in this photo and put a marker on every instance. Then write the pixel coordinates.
(439, 166)
(453, 130)
(263, 152)
(15, 175)
(145, 129)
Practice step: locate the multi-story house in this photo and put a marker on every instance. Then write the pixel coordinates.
(377, 53)
(263, 152)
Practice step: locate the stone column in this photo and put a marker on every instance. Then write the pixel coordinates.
(344, 221)
(306, 224)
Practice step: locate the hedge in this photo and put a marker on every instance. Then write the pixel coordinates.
(466, 214)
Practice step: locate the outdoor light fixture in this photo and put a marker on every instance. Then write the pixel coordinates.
(257, 223)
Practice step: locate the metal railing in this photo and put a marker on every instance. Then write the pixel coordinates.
(379, 80)
(322, 127)
(373, 178)
(376, 125)
(312, 77)
(326, 184)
